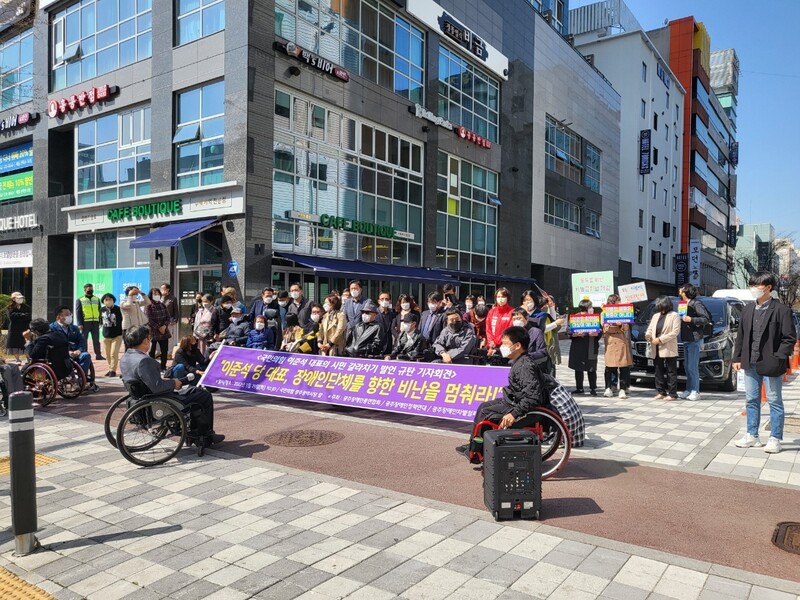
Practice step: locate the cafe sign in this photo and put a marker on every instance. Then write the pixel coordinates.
(84, 99)
(314, 61)
(423, 113)
(142, 211)
(357, 226)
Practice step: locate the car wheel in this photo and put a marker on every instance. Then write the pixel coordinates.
(730, 382)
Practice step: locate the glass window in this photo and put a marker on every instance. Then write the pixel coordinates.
(468, 95)
(199, 138)
(644, 109)
(94, 37)
(644, 72)
(591, 177)
(113, 156)
(561, 213)
(467, 215)
(563, 153)
(16, 70)
(362, 36)
(198, 18)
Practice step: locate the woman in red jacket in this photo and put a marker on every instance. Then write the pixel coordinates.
(498, 319)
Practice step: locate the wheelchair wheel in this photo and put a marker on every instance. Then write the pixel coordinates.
(72, 385)
(553, 436)
(114, 417)
(40, 381)
(151, 432)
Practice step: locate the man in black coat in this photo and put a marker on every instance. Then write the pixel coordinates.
(367, 340)
(48, 345)
(263, 303)
(763, 346)
(432, 320)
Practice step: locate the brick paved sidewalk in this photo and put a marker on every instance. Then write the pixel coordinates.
(223, 527)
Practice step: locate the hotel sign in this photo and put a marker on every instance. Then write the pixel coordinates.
(28, 221)
(313, 60)
(58, 108)
(18, 121)
(644, 152)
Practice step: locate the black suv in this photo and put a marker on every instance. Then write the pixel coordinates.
(715, 353)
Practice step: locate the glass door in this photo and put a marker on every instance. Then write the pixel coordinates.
(190, 283)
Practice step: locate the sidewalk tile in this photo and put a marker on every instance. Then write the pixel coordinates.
(762, 593)
(474, 560)
(338, 587)
(115, 591)
(370, 593)
(204, 567)
(227, 575)
(735, 590)
(150, 575)
(621, 591)
(477, 589)
(438, 585)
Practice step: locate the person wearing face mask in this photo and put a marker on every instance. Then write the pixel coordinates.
(283, 307)
(693, 330)
(77, 343)
(764, 343)
(456, 341)
(206, 323)
(261, 337)
(87, 318)
(432, 320)
(352, 308)
(386, 317)
(158, 323)
(499, 319)
(299, 305)
(238, 329)
(523, 392)
(409, 342)
(544, 316)
(187, 359)
(367, 339)
(537, 349)
(618, 357)
(469, 306)
(19, 317)
(132, 308)
(224, 306)
(232, 299)
(405, 305)
(478, 321)
(662, 335)
(584, 349)
(333, 330)
(449, 293)
(111, 320)
(43, 343)
(171, 303)
(264, 302)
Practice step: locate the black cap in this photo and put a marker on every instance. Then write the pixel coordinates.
(369, 306)
(410, 318)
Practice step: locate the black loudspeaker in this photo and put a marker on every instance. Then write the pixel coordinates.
(512, 474)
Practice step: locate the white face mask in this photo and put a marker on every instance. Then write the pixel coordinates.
(756, 293)
(433, 307)
(366, 317)
(235, 319)
(590, 310)
(406, 306)
(529, 306)
(501, 301)
(505, 351)
(386, 303)
(315, 317)
(268, 300)
(481, 303)
(469, 305)
(282, 303)
(518, 323)
(260, 326)
(326, 307)
(206, 305)
(355, 293)
(68, 320)
(156, 298)
(227, 306)
(295, 295)
(405, 327)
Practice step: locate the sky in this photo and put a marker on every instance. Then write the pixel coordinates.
(764, 36)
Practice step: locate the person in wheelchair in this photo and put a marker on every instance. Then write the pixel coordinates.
(43, 344)
(77, 343)
(456, 341)
(145, 372)
(410, 343)
(367, 337)
(239, 327)
(523, 392)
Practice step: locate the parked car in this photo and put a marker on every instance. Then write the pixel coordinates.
(715, 354)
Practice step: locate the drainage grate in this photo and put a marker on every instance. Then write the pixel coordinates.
(304, 438)
(787, 537)
(39, 460)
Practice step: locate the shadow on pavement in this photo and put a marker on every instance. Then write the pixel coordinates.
(554, 508)
(579, 468)
(101, 539)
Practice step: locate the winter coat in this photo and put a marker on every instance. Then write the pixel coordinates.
(157, 317)
(583, 352)
(498, 320)
(19, 318)
(618, 348)
(333, 332)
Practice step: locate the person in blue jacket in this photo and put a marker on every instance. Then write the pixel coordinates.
(261, 336)
(77, 343)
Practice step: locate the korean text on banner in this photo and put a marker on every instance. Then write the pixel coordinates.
(444, 391)
(633, 292)
(618, 314)
(694, 262)
(584, 323)
(682, 306)
(597, 287)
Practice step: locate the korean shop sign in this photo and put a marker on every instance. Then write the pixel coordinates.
(644, 152)
(471, 136)
(357, 226)
(314, 61)
(18, 121)
(16, 158)
(16, 186)
(141, 211)
(84, 99)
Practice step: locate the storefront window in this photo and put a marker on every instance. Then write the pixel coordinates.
(329, 163)
(198, 18)
(467, 95)
(113, 157)
(363, 36)
(199, 136)
(111, 250)
(16, 70)
(466, 217)
(94, 37)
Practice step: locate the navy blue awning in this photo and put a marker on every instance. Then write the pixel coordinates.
(359, 268)
(171, 235)
(462, 275)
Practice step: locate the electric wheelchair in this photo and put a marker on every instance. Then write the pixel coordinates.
(56, 375)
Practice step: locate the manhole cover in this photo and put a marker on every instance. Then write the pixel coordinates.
(787, 537)
(304, 438)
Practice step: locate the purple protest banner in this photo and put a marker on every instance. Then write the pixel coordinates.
(435, 390)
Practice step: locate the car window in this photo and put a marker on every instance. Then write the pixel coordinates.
(716, 306)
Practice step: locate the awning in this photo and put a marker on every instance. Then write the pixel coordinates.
(171, 235)
(359, 268)
(460, 275)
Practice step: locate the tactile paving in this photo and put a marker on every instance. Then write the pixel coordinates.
(14, 588)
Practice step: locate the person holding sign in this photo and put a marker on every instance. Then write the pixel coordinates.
(585, 346)
(662, 335)
(696, 324)
(618, 356)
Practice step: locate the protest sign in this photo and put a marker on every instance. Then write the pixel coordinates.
(436, 390)
(682, 306)
(584, 323)
(633, 292)
(597, 287)
(618, 314)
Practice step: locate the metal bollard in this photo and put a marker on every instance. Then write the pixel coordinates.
(23, 472)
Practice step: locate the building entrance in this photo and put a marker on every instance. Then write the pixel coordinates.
(193, 281)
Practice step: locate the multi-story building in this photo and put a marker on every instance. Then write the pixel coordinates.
(651, 140)
(232, 143)
(755, 251)
(710, 153)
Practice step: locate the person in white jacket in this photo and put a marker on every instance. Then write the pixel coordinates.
(132, 309)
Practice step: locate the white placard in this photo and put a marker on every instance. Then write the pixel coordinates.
(633, 292)
(740, 380)
(16, 255)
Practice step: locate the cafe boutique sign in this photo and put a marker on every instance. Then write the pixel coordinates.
(139, 211)
(366, 227)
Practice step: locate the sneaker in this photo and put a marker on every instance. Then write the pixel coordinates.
(659, 397)
(773, 445)
(693, 396)
(683, 395)
(463, 451)
(578, 391)
(609, 393)
(623, 394)
(748, 441)
(100, 357)
(217, 438)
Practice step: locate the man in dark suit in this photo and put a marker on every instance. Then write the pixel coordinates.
(264, 302)
(432, 320)
(763, 346)
(299, 305)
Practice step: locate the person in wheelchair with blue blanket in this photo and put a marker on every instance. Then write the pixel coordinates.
(523, 392)
(145, 375)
